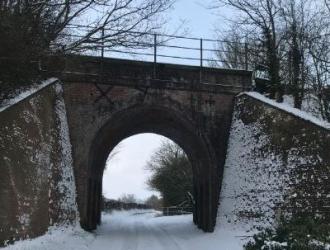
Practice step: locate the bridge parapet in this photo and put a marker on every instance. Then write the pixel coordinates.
(120, 72)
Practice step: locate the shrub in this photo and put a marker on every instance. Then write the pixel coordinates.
(303, 233)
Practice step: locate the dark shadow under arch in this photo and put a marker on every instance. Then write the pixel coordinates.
(171, 124)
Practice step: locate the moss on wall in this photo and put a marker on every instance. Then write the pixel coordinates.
(278, 164)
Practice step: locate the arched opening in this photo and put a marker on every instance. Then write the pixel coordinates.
(166, 122)
(148, 171)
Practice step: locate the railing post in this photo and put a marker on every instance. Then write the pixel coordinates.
(155, 56)
(201, 50)
(201, 61)
(102, 49)
(246, 55)
(102, 55)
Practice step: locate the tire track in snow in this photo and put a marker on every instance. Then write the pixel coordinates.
(131, 240)
(170, 237)
(163, 240)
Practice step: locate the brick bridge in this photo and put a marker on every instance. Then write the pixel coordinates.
(108, 100)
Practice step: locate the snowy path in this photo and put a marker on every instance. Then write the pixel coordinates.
(136, 230)
(132, 231)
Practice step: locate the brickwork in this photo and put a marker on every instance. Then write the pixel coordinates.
(198, 122)
(109, 100)
(33, 194)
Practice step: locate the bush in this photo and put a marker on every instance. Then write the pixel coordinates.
(302, 233)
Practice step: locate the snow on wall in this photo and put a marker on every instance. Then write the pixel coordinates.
(248, 180)
(25, 94)
(310, 104)
(278, 163)
(36, 179)
(288, 108)
(65, 187)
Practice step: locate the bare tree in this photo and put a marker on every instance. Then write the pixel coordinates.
(318, 56)
(93, 22)
(259, 18)
(230, 52)
(320, 53)
(128, 198)
(32, 28)
(154, 202)
(237, 50)
(299, 19)
(288, 38)
(113, 154)
(327, 4)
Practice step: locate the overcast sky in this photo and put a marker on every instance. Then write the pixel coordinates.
(126, 172)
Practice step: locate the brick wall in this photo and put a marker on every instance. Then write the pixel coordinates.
(36, 187)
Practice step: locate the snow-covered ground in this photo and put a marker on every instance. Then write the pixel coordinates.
(138, 230)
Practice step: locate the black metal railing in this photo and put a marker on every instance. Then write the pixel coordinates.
(161, 48)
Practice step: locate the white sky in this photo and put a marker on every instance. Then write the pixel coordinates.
(200, 21)
(126, 172)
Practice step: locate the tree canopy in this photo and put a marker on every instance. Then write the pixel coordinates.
(171, 174)
(286, 39)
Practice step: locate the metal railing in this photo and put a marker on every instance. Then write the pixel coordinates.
(163, 48)
(185, 207)
(176, 210)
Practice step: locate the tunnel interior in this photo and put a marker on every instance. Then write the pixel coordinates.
(170, 124)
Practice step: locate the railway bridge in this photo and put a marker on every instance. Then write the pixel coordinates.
(108, 100)
(97, 101)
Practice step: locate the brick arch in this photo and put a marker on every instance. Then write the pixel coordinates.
(164, 121)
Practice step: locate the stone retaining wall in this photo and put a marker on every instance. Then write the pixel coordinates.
(277, 164)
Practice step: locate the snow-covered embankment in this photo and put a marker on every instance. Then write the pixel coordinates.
(278, 163)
